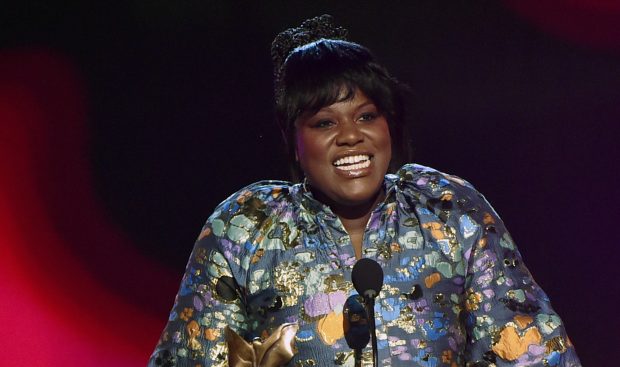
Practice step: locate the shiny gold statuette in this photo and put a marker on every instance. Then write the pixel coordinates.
(275, 351)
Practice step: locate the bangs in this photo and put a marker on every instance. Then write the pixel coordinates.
(312, 100)
(311, 92)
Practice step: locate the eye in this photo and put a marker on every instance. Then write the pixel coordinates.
(319, 124)
(368, 116)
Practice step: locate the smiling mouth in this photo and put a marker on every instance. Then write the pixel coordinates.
(354, 162)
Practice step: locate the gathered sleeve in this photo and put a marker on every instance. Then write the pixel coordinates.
(508, 317)
(210, 298)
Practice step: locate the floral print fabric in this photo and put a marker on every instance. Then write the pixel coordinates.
(456, 292)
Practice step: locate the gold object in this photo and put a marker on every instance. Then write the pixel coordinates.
(275, 351)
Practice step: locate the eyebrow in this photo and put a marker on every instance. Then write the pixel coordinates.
(364, 104)
(368, 102)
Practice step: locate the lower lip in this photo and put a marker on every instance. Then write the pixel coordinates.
(354, 173)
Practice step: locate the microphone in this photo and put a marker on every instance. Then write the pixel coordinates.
(355, 325)
(367, 278)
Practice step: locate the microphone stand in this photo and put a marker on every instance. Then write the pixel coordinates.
(369, 297)
(367, 278)
(357, 354)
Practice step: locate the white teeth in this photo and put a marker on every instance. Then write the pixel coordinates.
(356, 166)
(353, 160)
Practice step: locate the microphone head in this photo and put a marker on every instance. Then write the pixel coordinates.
(355, 323)
(367, 277)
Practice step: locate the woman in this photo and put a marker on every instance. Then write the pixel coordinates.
(273, 262)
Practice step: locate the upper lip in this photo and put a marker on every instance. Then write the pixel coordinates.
(351, 153)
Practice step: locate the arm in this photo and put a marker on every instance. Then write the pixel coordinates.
(509, 321)
(209, 299)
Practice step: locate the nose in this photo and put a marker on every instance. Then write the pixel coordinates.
(349, 133)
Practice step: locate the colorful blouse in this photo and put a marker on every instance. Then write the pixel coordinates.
(455, 293)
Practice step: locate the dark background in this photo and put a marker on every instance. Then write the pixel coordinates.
(520, 99)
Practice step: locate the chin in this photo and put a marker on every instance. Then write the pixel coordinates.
(360, 194)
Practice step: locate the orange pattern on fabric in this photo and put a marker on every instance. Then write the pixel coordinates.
(193, 331)
(432, 279)
(212, 334)
(523, 320)
(511, 345)
(330, 327)
(204, 233)
(436, 230)
(487, 218)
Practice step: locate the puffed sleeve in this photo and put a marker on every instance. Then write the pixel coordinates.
(210, 298)
(509, 320)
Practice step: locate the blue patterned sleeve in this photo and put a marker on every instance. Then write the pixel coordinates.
(209, 298)
(509, 319)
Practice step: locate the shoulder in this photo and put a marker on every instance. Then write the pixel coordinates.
(254, 201)
(248, 209)
(443, 194)
(242, 221)
(432, 182)
(249, 224)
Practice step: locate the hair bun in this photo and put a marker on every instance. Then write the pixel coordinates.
(310, 30)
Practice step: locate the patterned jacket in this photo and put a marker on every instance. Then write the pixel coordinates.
(456, 292)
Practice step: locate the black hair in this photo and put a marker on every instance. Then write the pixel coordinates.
(326, 71)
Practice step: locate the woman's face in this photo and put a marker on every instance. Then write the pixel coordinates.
(344, 150)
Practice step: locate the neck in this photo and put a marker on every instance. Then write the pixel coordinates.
(351, 212)
(354, 217)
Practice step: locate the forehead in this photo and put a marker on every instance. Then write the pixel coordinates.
(346, 100)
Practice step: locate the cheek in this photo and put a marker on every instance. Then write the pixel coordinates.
(384, 139)
(306, 150)
(301, 147)
(388, 144)
(387, 138)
